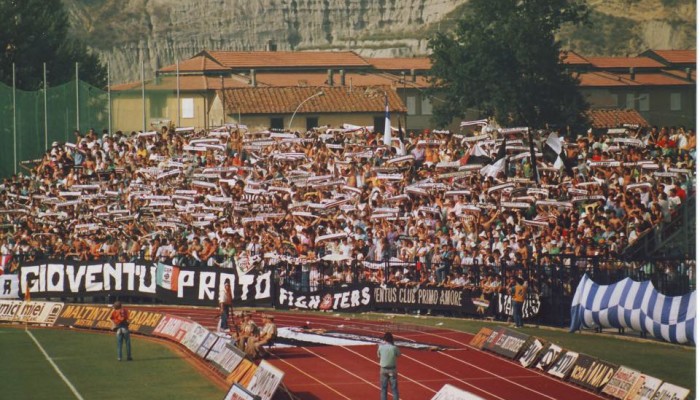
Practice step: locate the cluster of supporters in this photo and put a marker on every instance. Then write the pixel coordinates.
(467, 209)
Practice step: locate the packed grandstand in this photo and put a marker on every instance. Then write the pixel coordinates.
(338, 206)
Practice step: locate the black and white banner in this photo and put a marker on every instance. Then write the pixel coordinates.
(354, 297)
(531, 353)
(563, 365)
(9, 287)
(548, 357)
(531, 307)
(423, 298)
(173, 285)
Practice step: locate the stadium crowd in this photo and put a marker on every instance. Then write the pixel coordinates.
(440, 208)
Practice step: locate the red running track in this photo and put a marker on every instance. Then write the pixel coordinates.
(352, 372)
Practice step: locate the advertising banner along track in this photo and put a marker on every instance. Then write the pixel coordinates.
(591, 372)
(621, 383)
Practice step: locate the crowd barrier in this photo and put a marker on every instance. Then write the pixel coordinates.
(552, 283)
(591, 373)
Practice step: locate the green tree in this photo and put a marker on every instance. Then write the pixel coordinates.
(503, 59)
(36, 31)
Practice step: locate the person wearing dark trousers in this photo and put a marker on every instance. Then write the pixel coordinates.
(387, 353)
(120, 324)
(225, 304)
(517, 292)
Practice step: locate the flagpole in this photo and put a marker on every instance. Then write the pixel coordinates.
(533, 159)
(387, 121)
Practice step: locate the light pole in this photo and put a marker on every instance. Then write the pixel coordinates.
(302, 103)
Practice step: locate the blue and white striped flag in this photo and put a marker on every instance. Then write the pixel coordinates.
(634, 305)
(387, 122)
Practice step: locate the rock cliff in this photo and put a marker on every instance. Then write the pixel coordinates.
(161, 31)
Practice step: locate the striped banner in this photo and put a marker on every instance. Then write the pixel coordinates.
(634, 305)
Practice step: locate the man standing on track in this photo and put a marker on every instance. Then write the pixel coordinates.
(387, 353)
(225, 304)
(517, 292)
(120, 321)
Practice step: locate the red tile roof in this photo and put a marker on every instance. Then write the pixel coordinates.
(288, 59)
(321, 79)
(660, 79)
(678, 56)
(284, 100)
(187, 83)
(615, 118)
(604, 79)
(624, 62)
(401, 64)
(196, 64)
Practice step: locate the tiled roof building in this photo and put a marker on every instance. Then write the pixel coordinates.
(285, 100)
(603, 118)
(658, 84)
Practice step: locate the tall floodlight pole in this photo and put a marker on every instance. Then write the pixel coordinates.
(109, 101)
(177, 81)
(14, 116)
(143, 92)
(46, 114)
(77, 99)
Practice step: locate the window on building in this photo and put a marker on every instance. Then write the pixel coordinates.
(157, 104)
(629, 101)
(426, 107)
(311, 123)
(411, 105)
(644, 102)
(187, 108)
(379, 124)
(676, 102)
(276, 123)
(614, 100)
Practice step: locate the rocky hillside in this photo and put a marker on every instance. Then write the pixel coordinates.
(164, 30)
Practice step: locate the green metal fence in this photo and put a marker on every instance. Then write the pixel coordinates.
(31, 120)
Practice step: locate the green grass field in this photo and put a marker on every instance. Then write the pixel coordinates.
(89, 362)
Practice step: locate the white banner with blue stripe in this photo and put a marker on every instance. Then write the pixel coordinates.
(634, 305)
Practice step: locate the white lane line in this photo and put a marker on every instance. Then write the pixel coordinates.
(312, 377)
(400, 374)
(338, 366)
(498, 376)
(53, 364)
(399, 335)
